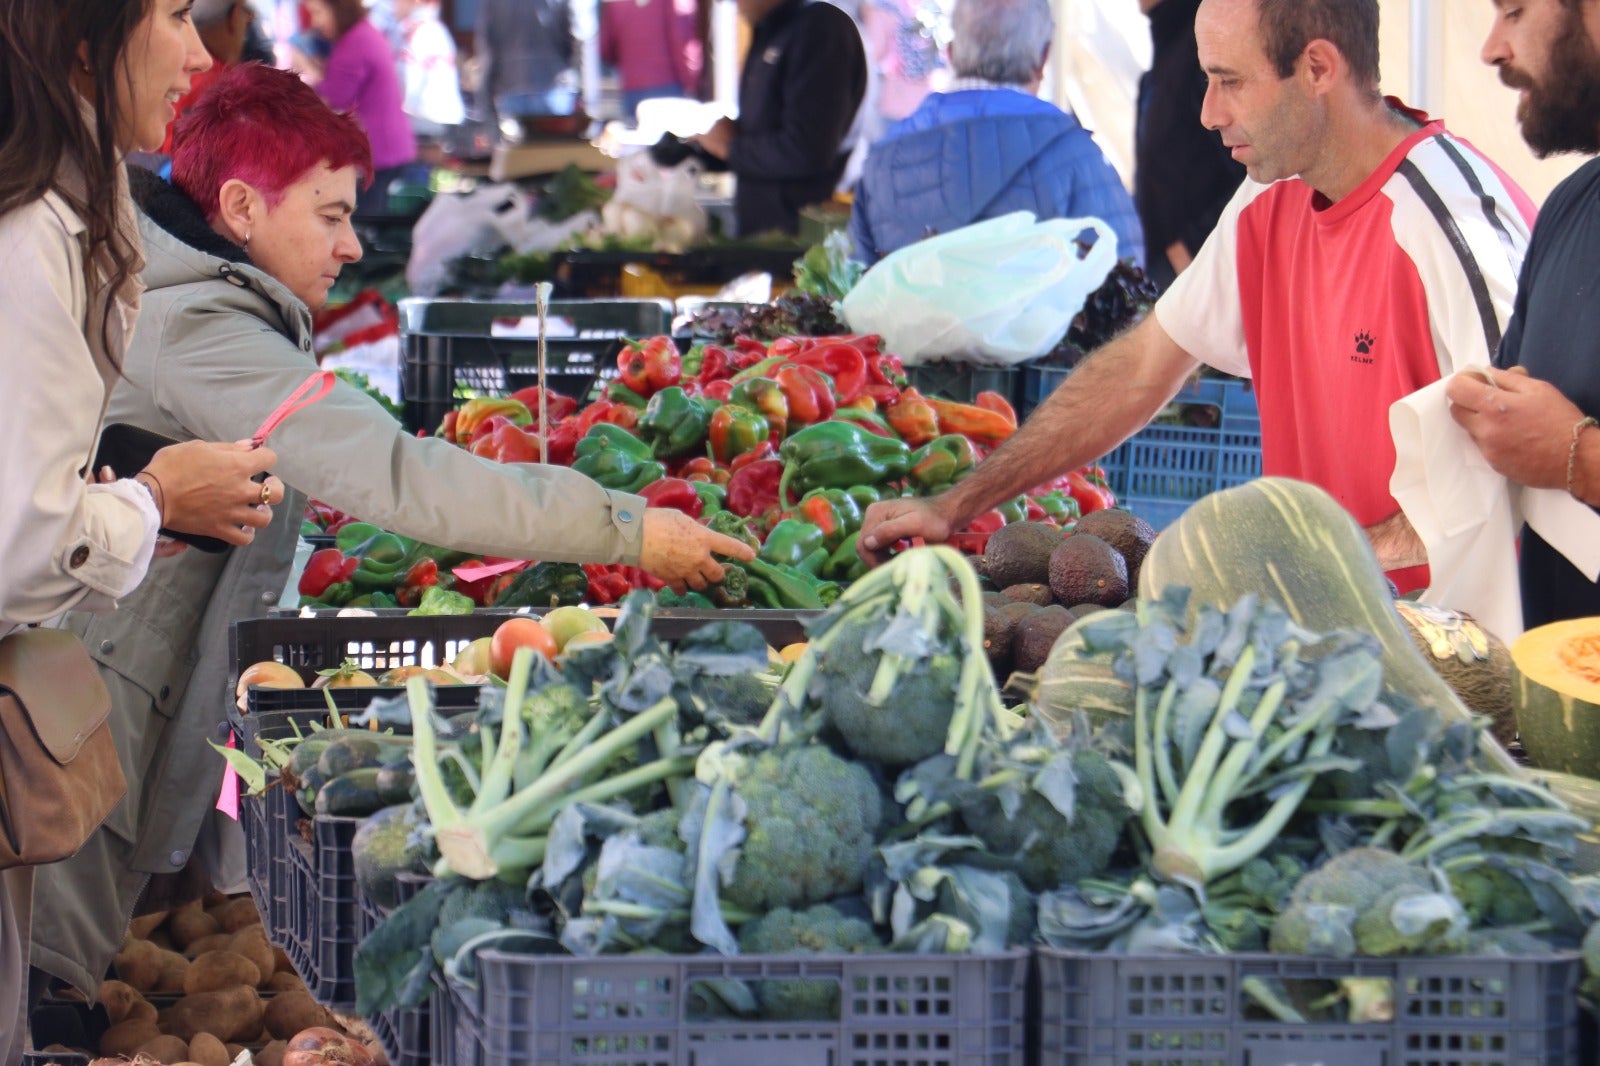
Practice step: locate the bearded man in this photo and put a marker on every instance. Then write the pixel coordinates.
(1536, 424)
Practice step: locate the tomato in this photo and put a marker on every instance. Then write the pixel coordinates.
(514, 633)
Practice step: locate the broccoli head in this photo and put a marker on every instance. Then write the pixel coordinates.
(1368, 901)
(659, 829)
(1356, 878)
(1051, 849)
(1409, 921)
(810, 823)
(817, 930)
(1492, 895)
(1326, 930)
(910, 724)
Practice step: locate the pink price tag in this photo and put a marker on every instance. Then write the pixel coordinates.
(479, 571)
(228, 798)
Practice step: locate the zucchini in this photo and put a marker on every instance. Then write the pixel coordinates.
(351, 795)
(384, 848)
(394, 782)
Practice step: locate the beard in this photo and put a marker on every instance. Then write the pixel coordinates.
(1564, 114)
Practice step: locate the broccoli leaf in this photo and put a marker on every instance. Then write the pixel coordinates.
(394, 962)
(713, 829)
(722, 649)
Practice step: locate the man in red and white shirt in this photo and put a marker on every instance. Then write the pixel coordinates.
(1368, 254)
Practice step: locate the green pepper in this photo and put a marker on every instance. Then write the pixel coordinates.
(352, 536)
(695, 600)
(838, 455)
(940, 463)
(834, 511)
(871, 420)
(765, 397)
(383, 563)
(735, 430)
(713, 497)
(374, 600)
(734, 588)
(845, 564)
(1059, 505)
(791, 540)
(616, 459)
(436, 601)
(864, 496)
(674, 423)
(790, 587)
(545, 585)
(733, 525)
(1014, 510)
(617, 392)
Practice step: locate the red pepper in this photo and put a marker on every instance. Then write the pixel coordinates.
(648, 366)
(759, 453)
(753, 489)
(703, 468)
(562, 445)
(557, 406)
(481, 591)
(718, 390)
(474, 413)
(619, 414)
(990, 400)
(447, 426)
(979, 424)
(808, 392)
(913, 417)
(673, 492)
(975, 538)
(607, 583)
(641, 579)
(844, 364)
(326, 567)
(507, 443)
(424, 574)
(1090, 496)
(1035, 512)
(715, 365)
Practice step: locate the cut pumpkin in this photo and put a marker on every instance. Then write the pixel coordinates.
(1556, 692)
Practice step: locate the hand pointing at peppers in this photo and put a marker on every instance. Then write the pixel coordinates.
(678, 550)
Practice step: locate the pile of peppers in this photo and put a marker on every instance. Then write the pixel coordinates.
(784, 445)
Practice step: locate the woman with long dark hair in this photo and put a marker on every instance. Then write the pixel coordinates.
(82, 83)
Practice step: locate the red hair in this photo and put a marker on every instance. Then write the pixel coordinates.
(268, 129)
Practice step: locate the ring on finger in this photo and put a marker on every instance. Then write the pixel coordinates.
(266, 494)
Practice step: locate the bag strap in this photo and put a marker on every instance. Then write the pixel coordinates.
(322, 381)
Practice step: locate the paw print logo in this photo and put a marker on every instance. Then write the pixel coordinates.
(1364, 342)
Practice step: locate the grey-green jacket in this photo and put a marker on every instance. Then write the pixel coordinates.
(219, 345)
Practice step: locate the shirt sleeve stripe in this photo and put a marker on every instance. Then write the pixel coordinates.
(1478, 285)
(1491, 206)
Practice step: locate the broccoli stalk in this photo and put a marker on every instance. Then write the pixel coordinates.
(504, 828)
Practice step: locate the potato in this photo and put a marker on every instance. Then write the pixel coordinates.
(185, 927)
(272, 1054)
(290, 1012)
(285, 982)
(209, 1051)
(215, 898)
(281, 960)
(173, 968)
(219, 969)
(235, 1050)
(118, 998)
(214, 942)
(237, 914)
(165, 1049)
(228, 1014)
(162, 940)
(141, 927)
(251, 942)
(139, 963)
(126, 1037)
(142, 1008)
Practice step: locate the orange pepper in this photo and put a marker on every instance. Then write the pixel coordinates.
(913, 417)
(990, 400)
(977, 424)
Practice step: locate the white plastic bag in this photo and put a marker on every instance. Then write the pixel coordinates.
(480, 223)
(656, 202)
(1000, 291)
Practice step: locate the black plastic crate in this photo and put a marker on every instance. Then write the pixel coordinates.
(962, 382)
(1111, 1010)
(325, 917)
(449, 349)
(268, 821)
(385, 641)
(597, 274)
(895, 1010)
(404, 1034)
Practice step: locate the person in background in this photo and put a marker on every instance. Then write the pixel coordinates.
(902, 48)
(525, 50)
(82, 84)
(987, 145)
(799, 96)
(428, 74)
(1183, 175)
(242, 247)
(359, 76)
(654, 48)
(1536, 423)
(224, 27)
(1369, 254)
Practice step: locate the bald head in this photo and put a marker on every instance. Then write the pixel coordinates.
(222, 25)
(1000, 40)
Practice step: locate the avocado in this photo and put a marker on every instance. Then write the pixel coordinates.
(1030, 593)
(1085, 569)
(1036, 635)
(994, 599)
(999, 629)
(1084, 610)
(1019, 553)
(1127, 533)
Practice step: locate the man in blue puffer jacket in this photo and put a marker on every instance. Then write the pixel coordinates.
(988, 146)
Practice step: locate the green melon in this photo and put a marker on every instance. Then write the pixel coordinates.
(1292, 543)
(1555, 672)
(1473, 661)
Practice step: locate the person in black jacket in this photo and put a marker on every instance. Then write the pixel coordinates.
(802, 85)
(1183, 176)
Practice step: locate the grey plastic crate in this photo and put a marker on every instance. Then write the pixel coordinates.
(962, 382)
(895, 1010)
(448, 348)
(404, 1034)
(1110, 1010)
